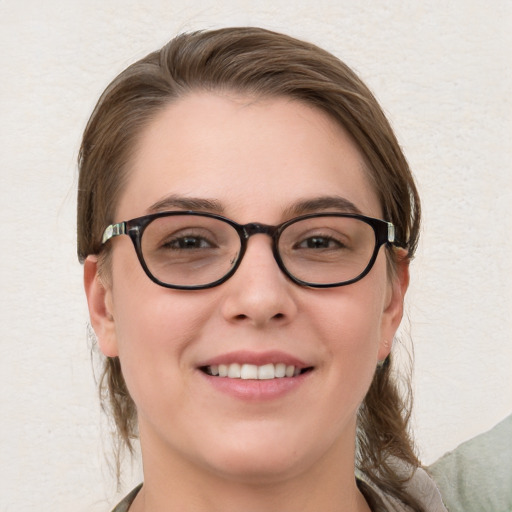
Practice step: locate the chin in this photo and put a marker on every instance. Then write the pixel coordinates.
(258, 470)
(263, 459)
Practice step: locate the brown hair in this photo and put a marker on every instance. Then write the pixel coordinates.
(259, 63)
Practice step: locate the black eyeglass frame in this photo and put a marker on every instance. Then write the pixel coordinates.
(134, 228)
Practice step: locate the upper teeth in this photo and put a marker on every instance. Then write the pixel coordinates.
(251, 371)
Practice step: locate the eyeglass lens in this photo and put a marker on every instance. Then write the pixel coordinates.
(192, 250)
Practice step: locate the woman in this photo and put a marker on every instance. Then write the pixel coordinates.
(248, 335)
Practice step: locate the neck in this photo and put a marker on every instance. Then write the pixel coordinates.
(171, 483)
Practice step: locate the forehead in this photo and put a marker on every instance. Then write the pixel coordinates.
(253, 157)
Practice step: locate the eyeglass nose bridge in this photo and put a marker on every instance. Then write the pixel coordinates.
(255, 228)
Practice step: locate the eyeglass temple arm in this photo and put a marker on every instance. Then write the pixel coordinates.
(392, 237)
(391, 233)
(112, 231)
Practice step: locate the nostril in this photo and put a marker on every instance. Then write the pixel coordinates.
(278, 316)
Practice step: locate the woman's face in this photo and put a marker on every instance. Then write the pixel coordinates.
(255, 161)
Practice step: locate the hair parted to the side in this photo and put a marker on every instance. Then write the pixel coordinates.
(258, 63)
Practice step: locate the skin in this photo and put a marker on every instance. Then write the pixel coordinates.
(204, 449)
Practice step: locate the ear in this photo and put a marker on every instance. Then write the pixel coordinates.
(394, 305)
(99, 300)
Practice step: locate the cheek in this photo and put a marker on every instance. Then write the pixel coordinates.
(154, 352)
(148, 326)
(154, 327)
(349, 326)
(350, 318)
(150, 319)
(352, 347)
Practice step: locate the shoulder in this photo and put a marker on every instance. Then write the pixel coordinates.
(424, 489)
(477, 475)
(420, 486)
(125, 503)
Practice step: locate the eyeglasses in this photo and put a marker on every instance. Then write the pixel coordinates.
(190, 250)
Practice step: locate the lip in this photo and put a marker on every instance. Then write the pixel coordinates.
(256, 358)
(255, 390)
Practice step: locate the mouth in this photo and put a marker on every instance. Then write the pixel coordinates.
(246, 371)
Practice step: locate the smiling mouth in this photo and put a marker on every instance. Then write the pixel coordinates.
(254, 372)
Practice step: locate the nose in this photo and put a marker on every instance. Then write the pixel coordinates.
(259, 294)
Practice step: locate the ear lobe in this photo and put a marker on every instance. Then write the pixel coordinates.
(99, 301)
(394, 306)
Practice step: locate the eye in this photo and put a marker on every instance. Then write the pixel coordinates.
(319, 242)
(185, 242)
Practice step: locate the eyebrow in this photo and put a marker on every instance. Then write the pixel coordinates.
(301, 207)
(186, 203)
(322, 203)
